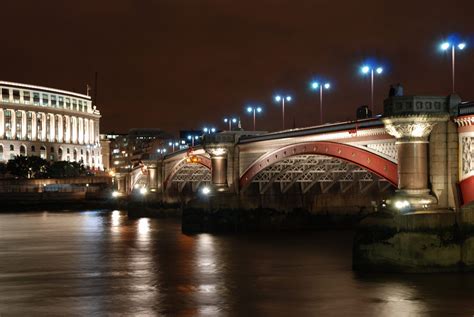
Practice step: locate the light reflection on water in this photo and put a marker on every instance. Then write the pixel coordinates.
(98, 263)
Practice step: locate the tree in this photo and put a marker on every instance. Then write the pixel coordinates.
(3, 168)
(27, 166)
(61, 169)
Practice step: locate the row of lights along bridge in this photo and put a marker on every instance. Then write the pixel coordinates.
(370, 69)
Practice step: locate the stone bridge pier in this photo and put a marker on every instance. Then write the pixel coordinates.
(411, 120)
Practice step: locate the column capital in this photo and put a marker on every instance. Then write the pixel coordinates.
(412, 127)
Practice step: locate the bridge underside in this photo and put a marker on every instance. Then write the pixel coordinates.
(193, 176)
(318, 173)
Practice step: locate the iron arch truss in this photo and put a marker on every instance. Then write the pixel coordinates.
(326, 163)
(184, 173)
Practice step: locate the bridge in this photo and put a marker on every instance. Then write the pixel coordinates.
(422, 148)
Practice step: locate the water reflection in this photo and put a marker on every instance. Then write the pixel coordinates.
(115, 216)
(102, 263)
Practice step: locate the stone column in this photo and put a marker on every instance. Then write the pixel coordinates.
(43, 126)
(410, 120)
(24, 128)
(13, 123)
(218, 167)
(2, 123)
(33, 126)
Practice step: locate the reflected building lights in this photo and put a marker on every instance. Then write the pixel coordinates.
(115, 218)
(143, 226)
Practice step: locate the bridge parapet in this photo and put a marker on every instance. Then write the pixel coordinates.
(421, 105)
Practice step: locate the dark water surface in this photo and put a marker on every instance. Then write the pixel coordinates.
(101, 263)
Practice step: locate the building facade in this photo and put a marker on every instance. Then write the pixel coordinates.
(54, 124)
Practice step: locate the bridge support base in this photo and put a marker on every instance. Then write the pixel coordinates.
(441, 241)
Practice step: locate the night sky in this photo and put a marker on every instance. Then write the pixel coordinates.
(181, 64)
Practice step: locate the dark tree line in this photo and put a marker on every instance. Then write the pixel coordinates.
(36, 167)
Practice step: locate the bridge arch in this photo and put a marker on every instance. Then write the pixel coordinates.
(138, 177)
(195, 171)
(355, 156)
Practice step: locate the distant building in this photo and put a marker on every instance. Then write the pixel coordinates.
(127, 150)
(56, 125)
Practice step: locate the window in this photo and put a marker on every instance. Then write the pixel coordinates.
(29, 127)
(45, 99)
(5, 94)
(16, 96)
(61, 102)
(53, 100)
(1, 152)
(52, 149)
(68, 103)
(33, 149)
(12, 147)
(80, 106)
(74, 104)
(22, 150)
(36, 98)
(19, 125)
(67, 151)
(8, 124)
(43, 152)
(26, 96)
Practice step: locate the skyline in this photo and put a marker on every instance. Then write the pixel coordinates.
(211, 60)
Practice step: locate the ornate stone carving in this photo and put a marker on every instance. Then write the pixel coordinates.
(216, 151)
(467, 148)
(412, 127)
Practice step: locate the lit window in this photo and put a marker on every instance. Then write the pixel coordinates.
(53, 100)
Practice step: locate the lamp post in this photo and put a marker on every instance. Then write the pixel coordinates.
(173, 144)
(192, 138)
(161, 151)
(460, 46)
(209, 130)
(316, 85)
(366, 69)
(230, 121)
(279, 98)
(254, 110)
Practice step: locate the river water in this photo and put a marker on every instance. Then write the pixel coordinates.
(97, 263)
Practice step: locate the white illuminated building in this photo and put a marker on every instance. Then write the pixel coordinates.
(54, 124)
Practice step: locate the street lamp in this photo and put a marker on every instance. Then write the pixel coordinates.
(209, 130)
(230, 121)
(192, 138)
(161, 151)
(315, 86)
(456, 45)
(366, 69)
(173, 144)
(254, 110)
(282, 99)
